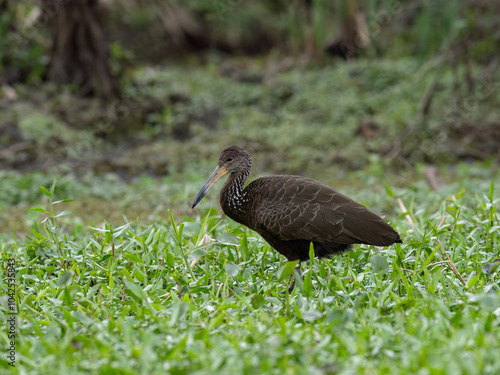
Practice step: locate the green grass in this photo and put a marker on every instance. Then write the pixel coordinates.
(138, 298)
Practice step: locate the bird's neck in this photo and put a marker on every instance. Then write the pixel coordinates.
(233, 197)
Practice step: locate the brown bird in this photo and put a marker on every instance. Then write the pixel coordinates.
(290, 212)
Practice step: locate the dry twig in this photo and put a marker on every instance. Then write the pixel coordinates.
(405, 211)
(450, 262)
(429, 265)
(206, 239)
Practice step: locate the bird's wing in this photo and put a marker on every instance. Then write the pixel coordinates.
(300, 208)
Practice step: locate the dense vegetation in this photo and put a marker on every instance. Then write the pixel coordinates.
(115, 274)
(424, 90)
(154, 298)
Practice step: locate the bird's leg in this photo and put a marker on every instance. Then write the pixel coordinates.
(292, 285)
(299, 272)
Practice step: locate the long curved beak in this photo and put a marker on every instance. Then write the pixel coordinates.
(214, 177)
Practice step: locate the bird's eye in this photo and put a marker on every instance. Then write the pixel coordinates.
(229, 158)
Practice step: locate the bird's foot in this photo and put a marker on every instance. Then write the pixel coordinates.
(290, 289)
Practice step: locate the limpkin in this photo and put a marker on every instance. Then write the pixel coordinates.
(290, 212)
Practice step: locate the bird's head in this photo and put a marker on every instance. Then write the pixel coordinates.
(232, 159)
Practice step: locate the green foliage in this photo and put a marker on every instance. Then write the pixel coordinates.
(300, 120)
(293, 121)
(379, 264)
(395, 28)
(23, 55)
(41, 128)
(139, 298)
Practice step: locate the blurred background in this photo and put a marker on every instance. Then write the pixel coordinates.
(127, 104)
